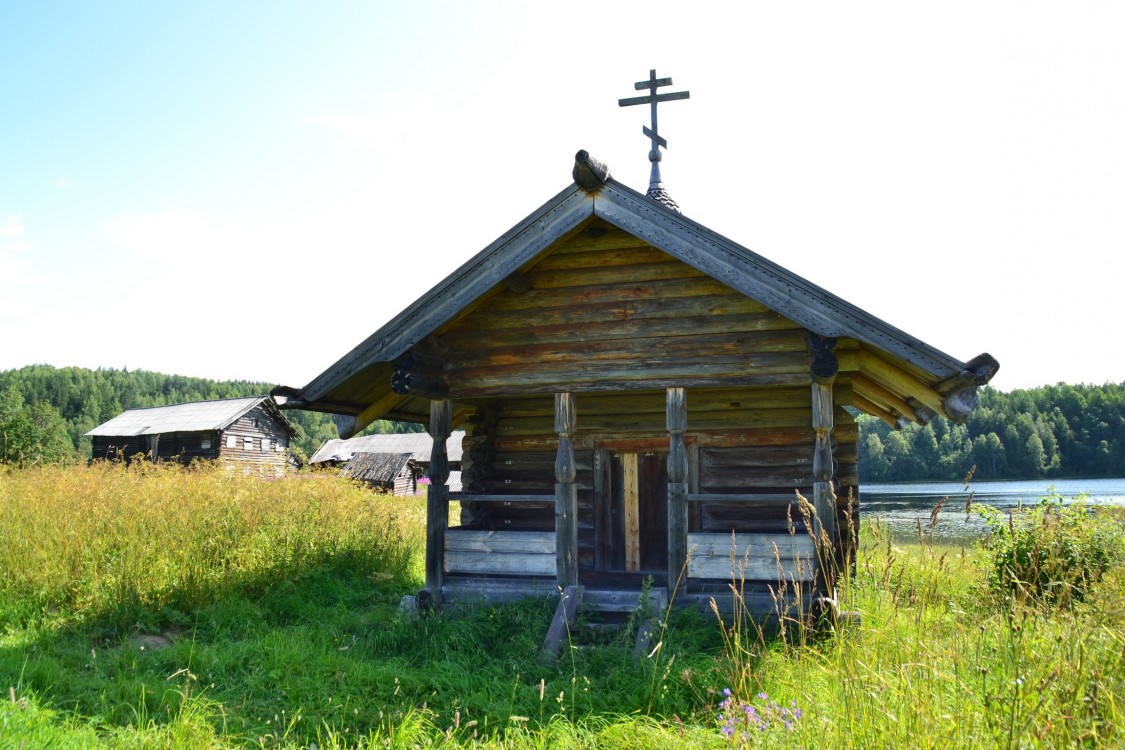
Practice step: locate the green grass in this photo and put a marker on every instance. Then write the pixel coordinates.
(278, 602)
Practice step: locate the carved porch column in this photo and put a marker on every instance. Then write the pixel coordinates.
(676, 415)
(566, 494)
(437, 498)
(823, 367)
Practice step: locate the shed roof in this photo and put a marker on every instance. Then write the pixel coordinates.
(415, 445)
(345, 387)
(192, 417)
(378, 468)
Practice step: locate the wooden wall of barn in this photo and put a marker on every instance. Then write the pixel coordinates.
(257, 441)
(171, 446)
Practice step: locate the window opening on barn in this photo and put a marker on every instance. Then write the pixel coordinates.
(265, 445)
(232, 441)
(205, 444)
(248, 443)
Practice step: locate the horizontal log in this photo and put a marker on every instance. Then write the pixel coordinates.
(597, 237)
(725, 437)
(471, 589)
(639, 252)
(462, 540)
(488, 319)
(897, 379)
(633, 273)
(507, 563)
(464, 343)
(740, 345)
(572, 297)
(873, 392)
(469, 497)
(672, 377)
(748, 499)
(768, 557)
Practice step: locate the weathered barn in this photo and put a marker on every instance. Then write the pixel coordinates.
(380, 450)
(644, 397)
(248, 432)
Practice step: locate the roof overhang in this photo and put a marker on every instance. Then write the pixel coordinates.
(742, 269)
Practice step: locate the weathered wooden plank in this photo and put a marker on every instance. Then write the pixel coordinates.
(895, 378)
(624, 331)
(594, 382)
(500, 563)
(748, 498)
(632, 511)
(500, 542)
(639, 252)
(577, 296)
(751, 556)
(627, 423)
(634, 273)
(875, 393)
(561, 623)
(469, 497)
(700, 346)
(573, 313)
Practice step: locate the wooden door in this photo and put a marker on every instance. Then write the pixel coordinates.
(637, 521)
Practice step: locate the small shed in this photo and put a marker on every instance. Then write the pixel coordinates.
(249, 432)
(381, 449)
(396, 472)
(645, 398)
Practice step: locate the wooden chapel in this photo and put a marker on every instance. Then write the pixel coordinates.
(642, 397)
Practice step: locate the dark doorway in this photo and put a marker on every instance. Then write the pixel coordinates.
(637, 537)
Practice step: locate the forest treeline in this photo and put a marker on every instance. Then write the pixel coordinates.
(49, 409)
(1054, 431)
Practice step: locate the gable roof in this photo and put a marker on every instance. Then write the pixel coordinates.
(415, 445)
(738, 267)
(191, 417)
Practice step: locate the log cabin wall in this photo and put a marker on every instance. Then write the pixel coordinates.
(112, 447)
(750, 440)
(615, 321)
(605, 312)
(256, 441)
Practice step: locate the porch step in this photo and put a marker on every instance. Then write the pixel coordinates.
(604, 609)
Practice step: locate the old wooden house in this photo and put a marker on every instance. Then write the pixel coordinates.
(370, 458)
(250, 433)
(643, 397)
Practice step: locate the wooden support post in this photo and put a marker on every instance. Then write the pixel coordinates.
(437, 498)
(823, 367)
(676, 415)
(566, 494)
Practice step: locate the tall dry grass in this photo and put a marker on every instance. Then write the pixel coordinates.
(110, 541)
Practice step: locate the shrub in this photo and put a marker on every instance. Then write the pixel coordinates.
(1052, 552)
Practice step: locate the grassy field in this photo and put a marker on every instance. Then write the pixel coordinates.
(162, 607)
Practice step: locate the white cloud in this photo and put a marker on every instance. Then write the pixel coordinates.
(11, 226)
(15, 268)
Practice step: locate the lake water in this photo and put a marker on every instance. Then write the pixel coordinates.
(901, 505)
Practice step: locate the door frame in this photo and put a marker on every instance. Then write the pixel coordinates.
(601, 494)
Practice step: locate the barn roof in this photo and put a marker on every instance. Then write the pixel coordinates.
(377, 468)
(193, 417)
(345, 387)
(415, 445)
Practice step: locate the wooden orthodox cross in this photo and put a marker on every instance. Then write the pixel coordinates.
(653, 98)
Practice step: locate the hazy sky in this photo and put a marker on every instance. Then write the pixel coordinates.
(247, 190)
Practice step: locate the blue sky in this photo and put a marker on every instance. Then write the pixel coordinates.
(247, 190)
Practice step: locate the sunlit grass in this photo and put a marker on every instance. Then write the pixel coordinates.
(274, 609)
